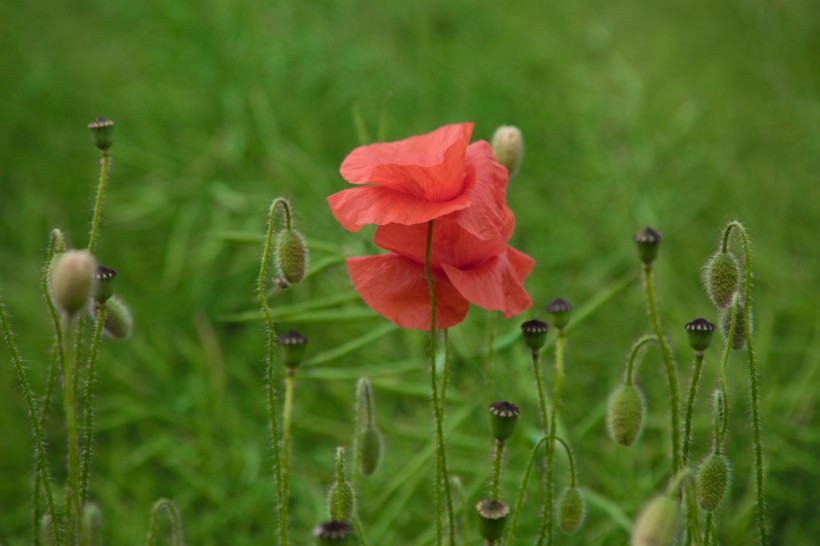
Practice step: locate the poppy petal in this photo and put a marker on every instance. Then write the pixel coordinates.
(487, 187)
(396, 288)
(495, 284)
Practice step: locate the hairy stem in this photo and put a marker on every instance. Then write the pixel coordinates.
(88, 426)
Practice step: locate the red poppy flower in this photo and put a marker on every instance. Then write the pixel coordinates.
(465, 270)
(422, 178)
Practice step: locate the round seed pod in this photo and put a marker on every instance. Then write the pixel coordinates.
(333, 533)
(105, 283)
(341, 501)
(102, 133)
(624, 418)
(535, 334)
(739, 338)
(700, 333)
(712, 481)
(118, 322)
(503, 417)
(291, 256)
(559, 308)
(294, 346)
(371, 454)
(508, 147)
(72, 278)
(492, 518)
(571, 510)
(648, 242)
(721, 275)
(656, 523)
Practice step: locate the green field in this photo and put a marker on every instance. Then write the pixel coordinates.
(681, 115)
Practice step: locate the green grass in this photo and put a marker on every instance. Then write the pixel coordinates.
(681, 115)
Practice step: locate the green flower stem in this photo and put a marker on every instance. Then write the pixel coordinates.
(438, 408)
(727, 349)
(670, 368)
(498, 452)
(633, 355)
(690, 404)
(95, 221)
(282, 501)
(338, 510)
(753, 375)
(707, 536)
(489, 373)
(445, 373)
(523, 489)
(465, 516)
(287, 419)
(169, 507)
(570, 458)
(36, 427)
(536, 368)
(88, 427)
(357, 525)
(70, 388)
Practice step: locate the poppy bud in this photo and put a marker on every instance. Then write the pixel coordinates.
(721, 275)
(371, 454)
(294, 346)
(104, 288)
(656, 523)
(624, 418)
(571, 510)
(648, 242)
(700, 333)
(118, 322)
(503, 417)
(72, 280)
(535, 334)
(713, 481)
(492, 517)
(333, 533)
(291, 256)
(102, 132)
(340, 501)
(739, 339)
(508, 147)
(559, 309)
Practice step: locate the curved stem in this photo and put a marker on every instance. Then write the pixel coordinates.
(95, 221)
(690, 404)
(727, 348)
(174, 518)
(633, 354)
(522, 490)
(670, 367)
(88, 427)
(270, 376)
(438, 408)
(753, 376)
(497, 455)
(570, 458)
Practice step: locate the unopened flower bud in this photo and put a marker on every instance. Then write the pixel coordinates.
(535, 334)
(656, 523)
(104, 288)
(333, 533)
(291, 256)
(571, 510)
(624, 418)
(294, 346)
(508, 147)
(559, 308)
(492, 517)
(372, 448)
(503, 417)
(648, 242)
(102, 132)
(713, 481)
(721, 276)
(340, 501)
(700, 333)
(118, 322)
(72, 279)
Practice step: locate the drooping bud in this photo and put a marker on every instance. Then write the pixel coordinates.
(648, 242)
(372, 447)
(492, 518)
(721, 275)
(559, 308)
(294, 346)
(508, 147)
(333, 533)
(571, 510)
(656, 523)
(535, 334)
(713, 481)
(71, 280)
(104, 288)
(291, 256)
(370, 442)
(700, 333)
(503, 417)
(118, 322)
(102, 132)
(739, 338)
(624, 418)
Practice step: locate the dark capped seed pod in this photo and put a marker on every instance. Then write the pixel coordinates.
(535, 334)
(700, 333)
(559, 308)
(503, 417)
(294, 346)
(648, 242)
(492, 517)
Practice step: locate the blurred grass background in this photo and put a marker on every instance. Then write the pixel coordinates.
(681, 115)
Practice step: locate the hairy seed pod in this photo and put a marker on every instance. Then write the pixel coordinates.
(508, 147)
(372, 447)
(341, 501)
(492, 518)
(102, 133)
(291, 256)
(721, 275)
(118, 322)
(656, 523)
(713, 481)
(72, 277)
(739, 338)
(571, 510)
(624, 417)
